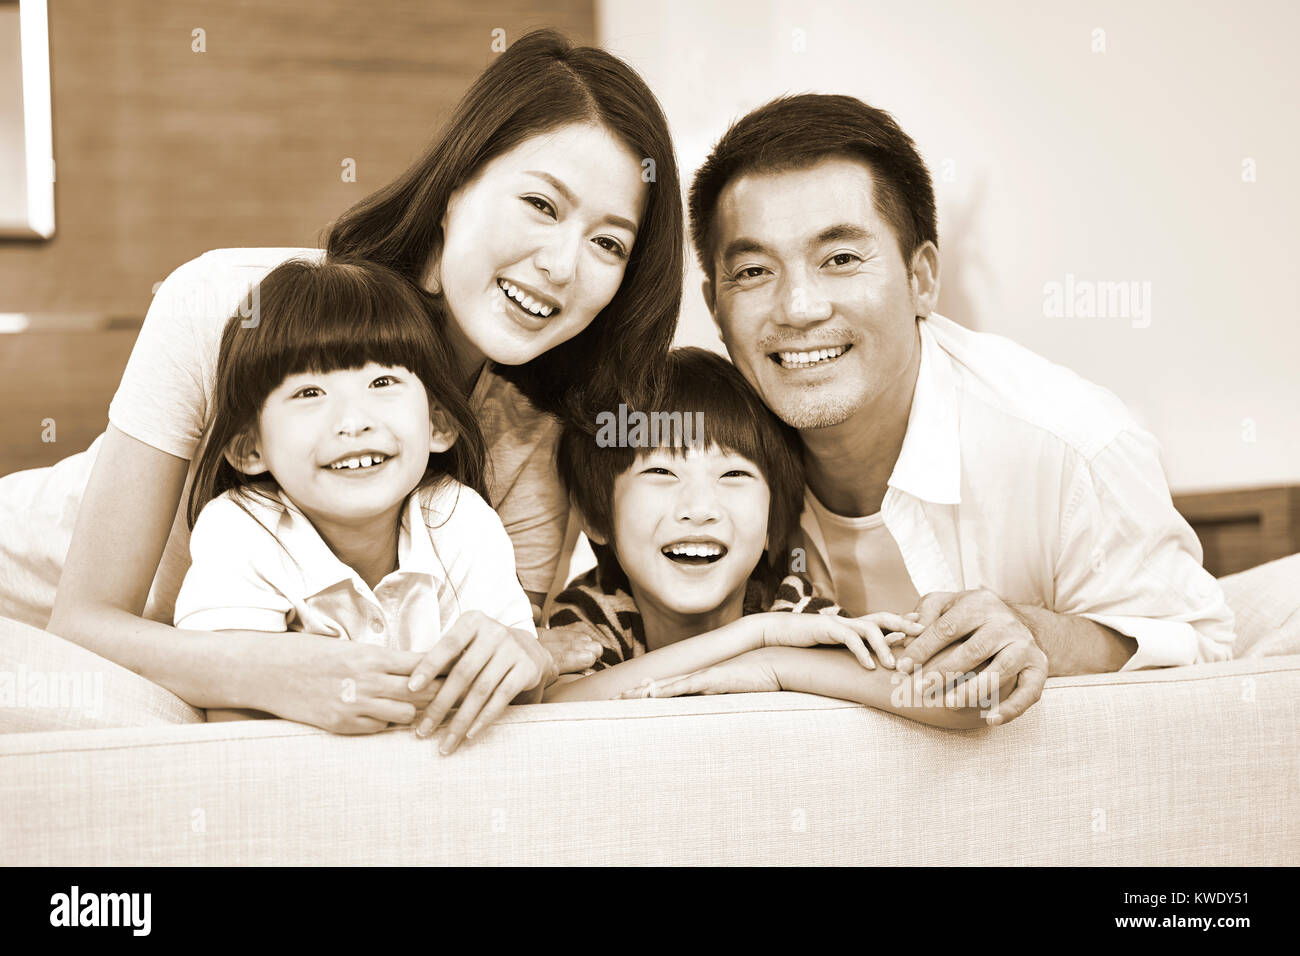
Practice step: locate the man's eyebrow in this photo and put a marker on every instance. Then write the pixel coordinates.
(572, 200)
(743, 246)
(843, 232)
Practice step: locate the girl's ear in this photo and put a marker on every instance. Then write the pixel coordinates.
(245, 456)
(442, 430)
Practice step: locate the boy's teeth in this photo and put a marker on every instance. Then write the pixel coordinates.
(695, 550)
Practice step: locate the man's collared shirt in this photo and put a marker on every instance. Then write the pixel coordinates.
(260, 565)
(1021, 477)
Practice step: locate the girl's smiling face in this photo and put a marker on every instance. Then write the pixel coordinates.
(536, 244)
(690, 528)
(347, 446)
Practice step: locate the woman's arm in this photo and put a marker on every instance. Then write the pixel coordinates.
(122, 528)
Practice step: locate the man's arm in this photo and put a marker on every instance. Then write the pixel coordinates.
(1075, 645)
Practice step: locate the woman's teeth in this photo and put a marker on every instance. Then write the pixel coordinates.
(815, 357)
(524, 299)
(365, 461)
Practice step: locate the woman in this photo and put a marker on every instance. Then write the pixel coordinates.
(560, 265)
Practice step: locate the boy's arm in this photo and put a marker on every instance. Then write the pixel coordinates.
(827, 672)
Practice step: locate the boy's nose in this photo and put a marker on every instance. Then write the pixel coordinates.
(698, 507)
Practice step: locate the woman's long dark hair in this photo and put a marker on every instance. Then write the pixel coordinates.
(314, 317)
(541, 82)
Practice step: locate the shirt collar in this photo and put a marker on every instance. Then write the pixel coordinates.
(321, 567)
(929, 463)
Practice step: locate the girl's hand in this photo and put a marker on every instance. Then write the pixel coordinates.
(344, 687)
(572, 649)
(487, 666)
(880, 630)
(749, 673)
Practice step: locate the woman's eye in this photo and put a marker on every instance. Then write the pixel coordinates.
(612, 246)
(541, 205)
(842, 259)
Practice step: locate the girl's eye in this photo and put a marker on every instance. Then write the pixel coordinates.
(387, 379)
(842, 259)
(614, 246)
(738, 473)
(303, 392)
(541, 205)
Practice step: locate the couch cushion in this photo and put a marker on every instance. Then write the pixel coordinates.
(1266, 602)
(48, 683)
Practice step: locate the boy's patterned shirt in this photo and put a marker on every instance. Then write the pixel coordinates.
(601, 600)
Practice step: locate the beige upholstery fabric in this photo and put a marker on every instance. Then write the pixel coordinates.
(1266, 602)
(1194, 765)
(47, 683)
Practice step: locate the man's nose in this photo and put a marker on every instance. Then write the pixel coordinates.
(558, 257)
(801, 304)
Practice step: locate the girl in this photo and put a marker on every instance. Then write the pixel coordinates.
(559, 269)
(338, 488)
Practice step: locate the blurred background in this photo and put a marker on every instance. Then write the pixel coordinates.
(1076, 145)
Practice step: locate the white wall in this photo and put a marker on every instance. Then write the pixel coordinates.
(1052, 159)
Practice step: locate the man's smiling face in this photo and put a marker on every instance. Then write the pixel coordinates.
(811, 292)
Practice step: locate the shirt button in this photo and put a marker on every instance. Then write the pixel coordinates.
(376, 625)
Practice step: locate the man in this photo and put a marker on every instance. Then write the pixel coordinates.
(1017, 507)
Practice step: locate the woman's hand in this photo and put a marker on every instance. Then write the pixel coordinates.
(879, 630)
(341, 686)
(749, 673)
(572, 649)
(487, 666)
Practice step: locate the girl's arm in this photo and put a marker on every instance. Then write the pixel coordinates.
(122, 527)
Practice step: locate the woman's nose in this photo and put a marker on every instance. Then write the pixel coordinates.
(558, 258)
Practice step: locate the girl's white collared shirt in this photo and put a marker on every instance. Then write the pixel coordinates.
(268, 569)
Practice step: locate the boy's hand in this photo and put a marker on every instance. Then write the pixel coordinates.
(572, 648)
(879, 630)
(748, 673)
(487, 666)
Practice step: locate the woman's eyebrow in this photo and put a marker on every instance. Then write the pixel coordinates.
(572, 200)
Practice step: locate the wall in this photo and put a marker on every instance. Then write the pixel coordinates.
(1059, 151)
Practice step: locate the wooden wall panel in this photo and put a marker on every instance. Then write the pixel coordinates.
(162, 153)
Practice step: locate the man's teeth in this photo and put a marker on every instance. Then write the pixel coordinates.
(524, 299)
(804, 359)
(699, 549)
(365, 461)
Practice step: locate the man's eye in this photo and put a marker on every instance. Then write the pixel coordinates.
(615, 247)
(749, 272)
(541, 205)
(843, 259)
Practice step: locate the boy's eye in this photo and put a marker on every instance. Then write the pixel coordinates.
(738, 473)
(657, 470)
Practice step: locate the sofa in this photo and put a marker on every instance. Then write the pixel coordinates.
(1183, 766)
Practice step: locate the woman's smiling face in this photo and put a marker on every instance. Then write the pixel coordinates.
(536, 244)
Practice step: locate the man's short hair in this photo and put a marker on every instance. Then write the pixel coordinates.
(794, 132)
(734, 419)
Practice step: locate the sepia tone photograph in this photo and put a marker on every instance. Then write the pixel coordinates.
(605, 433)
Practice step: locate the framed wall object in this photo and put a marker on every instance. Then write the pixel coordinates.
(26, 131)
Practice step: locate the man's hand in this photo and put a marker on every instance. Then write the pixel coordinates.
(981, 633)
(487, 666)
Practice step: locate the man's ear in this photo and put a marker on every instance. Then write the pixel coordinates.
(244, 455)
(706, 287)
(925, 278)
(442, 430)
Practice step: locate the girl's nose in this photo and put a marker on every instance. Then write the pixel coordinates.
(351, 425)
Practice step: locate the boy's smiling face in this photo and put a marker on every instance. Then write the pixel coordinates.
(690, 527)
